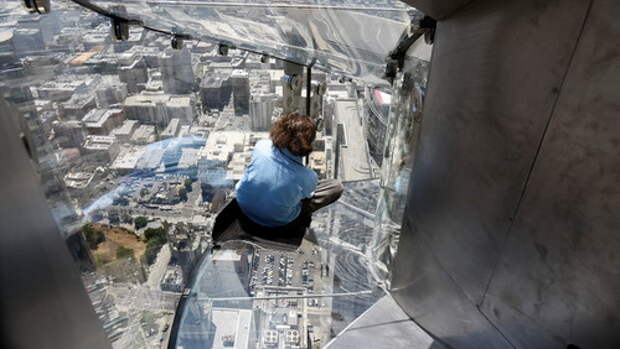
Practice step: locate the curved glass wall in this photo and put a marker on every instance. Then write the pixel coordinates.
(138, 146)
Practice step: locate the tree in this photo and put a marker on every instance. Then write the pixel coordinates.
(183, 194)
(155, 233)
(93, 236)
(126, 218)
(152, 249)
(140, 222)
(124, 252)
(166, 225)
(188, 184)
(114, 217)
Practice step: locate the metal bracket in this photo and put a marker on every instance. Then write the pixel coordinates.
(178, 40)
(222, 50)
(308, 88)
(120, 29)
(396, 58)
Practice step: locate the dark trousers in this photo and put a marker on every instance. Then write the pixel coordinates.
(327, 191)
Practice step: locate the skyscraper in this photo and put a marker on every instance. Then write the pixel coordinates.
(134, 75)
(215, 90)
(241, 91)
(176, 71)
(261, 111)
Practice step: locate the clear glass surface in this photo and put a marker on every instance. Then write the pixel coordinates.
(348, 37)
(138, 146)
(315, 291)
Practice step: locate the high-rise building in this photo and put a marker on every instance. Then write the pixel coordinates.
(112, 92)
(150, 54)
(102, 149)
(215, 90)
(241, 92)
(134, 75)
(261, 111)
(176, 71)
(159, 109)
(329, 108)
(78, 105)
(69, 134)
(124, 133)
(64, 87)
(103, 121)
(171, 130)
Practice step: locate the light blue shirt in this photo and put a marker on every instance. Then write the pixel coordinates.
(273, 185)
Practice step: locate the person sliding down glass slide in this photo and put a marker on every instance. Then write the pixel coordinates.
(277, 192)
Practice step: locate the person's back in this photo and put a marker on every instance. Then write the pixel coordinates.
(273, 185)
(277, 190)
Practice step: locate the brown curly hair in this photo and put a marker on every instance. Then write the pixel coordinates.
(294, 132)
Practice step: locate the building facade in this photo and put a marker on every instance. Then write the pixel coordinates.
(241, 92)
(261, 111)
(176, 71)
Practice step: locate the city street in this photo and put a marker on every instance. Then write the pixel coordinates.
(354, 160)
(157, 270)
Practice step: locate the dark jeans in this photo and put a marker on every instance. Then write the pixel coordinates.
(327, 191)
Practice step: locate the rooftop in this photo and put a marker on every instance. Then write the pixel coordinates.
(214, 79)
(239, 73)
(232, 328)
(99, 142)
(152, 99)
(171, 129)
(84, 57)
(189, 157)
(143, 133)
(126, 129)
(96, 37)
(97, 117)
(128, 158)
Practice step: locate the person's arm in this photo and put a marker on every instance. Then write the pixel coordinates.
(310, 184)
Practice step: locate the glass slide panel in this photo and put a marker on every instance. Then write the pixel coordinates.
(138, 146)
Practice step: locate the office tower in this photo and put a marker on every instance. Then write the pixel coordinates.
(215, 90)
(159, 109)
(69, 134)
(261, 111)
(241, 91)
(134, 75)
(176, 71)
